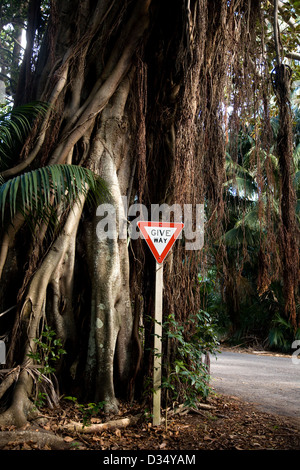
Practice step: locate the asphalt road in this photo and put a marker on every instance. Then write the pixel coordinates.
(271, 383)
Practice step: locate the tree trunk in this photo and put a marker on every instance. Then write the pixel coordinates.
(125, 81)
(89, 88)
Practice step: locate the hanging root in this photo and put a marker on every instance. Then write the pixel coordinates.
(10, 378)
(289, 233)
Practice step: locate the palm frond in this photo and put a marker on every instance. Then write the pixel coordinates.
(251, 220)
(238, 235)
(297, 180)
(15, 126)
(38, 192)
(240, 180)
(233, 168)
(296, 156)
(244, 187)
(247, 228)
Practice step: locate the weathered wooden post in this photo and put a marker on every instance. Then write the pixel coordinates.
(160, 237)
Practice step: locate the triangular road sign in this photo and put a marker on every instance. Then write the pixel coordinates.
(160, 236)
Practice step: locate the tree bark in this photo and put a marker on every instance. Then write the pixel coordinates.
(134, 89)
(88, 124)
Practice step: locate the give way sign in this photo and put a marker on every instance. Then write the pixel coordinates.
(160, 236)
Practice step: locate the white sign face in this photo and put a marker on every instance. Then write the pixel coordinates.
(160, 236)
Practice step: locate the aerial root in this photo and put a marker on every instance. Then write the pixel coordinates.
(112, 425)
(10, 378)
(100, 427)
(37, 438)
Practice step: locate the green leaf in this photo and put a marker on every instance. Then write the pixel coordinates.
(30, 193)
(15, 127)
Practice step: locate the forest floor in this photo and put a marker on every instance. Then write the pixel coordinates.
(224, 423)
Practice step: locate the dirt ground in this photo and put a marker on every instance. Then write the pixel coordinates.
(221, 423)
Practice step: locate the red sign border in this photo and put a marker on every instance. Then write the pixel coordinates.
(178, 225)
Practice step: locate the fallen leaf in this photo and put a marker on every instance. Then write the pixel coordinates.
(46, 447)
(96, 420)
(25, 446)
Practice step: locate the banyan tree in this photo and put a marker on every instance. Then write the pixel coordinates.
(137, 96)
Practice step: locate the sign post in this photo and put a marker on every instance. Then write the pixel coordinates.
(160, 237)
(157, 343)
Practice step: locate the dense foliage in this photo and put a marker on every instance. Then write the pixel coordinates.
(245, 290)
(201, 108)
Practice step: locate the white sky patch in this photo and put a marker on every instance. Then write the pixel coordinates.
(23, 39)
